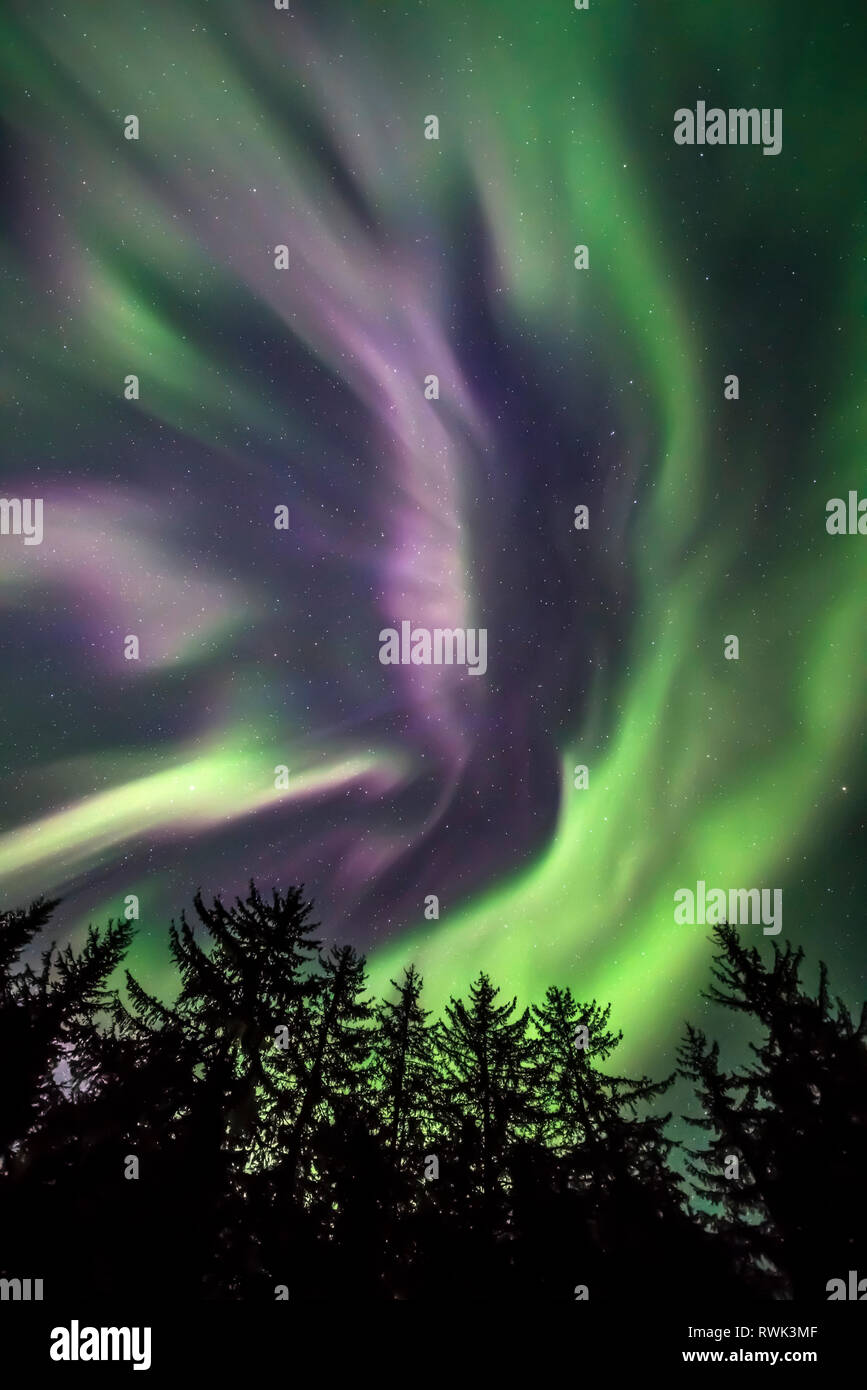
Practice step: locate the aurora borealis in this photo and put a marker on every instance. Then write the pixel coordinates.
(304, 388)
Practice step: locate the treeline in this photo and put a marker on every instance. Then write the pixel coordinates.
(275, 1132)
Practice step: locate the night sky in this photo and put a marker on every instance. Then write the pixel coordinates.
(305, 388)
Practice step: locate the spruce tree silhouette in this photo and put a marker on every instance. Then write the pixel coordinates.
(622, 1205)
(350, 1190)
(579, 1115)
(796, 1120)
(272, 1127)
(407, 1086)
(736, 1217)
(403, 1049)
(52, 1126)
(489, 1104)
(256, 978)
(335, 1054)
(32, 1010)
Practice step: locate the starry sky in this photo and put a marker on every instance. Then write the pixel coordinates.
(304, 388)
